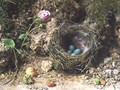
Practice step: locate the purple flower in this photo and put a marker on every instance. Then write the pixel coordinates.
(44, 15)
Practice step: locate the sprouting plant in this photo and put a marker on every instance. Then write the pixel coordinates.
(27, 79)
(10, 44)
(42, 17)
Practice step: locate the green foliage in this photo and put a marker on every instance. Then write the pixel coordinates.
(19, 51)
(25, 44)
(57, 65)
(96, 81)
(9, 43)
(22, 36)
(27, 79)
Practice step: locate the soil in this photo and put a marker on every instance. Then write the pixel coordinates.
(108, 57)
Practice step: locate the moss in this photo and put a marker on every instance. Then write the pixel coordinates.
(99, 9)
(3, 14)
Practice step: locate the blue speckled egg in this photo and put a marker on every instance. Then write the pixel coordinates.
(69, 51)
(77, 51)
(71, 47)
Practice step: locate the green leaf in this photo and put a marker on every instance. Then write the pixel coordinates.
(22, 36)
(36, 18)
(9, 43)
(40, 25)
(96, 81)
(25, 43)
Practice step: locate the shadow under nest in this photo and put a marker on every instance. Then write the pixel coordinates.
(83, 41)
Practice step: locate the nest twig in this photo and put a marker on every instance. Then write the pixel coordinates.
(58, 45)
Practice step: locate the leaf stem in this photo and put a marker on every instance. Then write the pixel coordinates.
(28, 32)
(16, 60)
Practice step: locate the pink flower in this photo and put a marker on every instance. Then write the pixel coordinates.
(44, 15)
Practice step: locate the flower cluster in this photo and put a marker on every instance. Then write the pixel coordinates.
(44, 15)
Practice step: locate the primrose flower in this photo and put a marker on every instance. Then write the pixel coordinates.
(44, 15)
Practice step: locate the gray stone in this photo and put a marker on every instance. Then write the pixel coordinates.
(115, 71)
(108, 71)
(108, 59)
(114, 64)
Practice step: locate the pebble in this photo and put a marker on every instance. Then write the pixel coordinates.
(91, 71)
(115, 71)
(108, 59)
(114, 82)
(114, 64)
(2, 76)
(108, 71)
(115, 55)
(119, 30)
(44, 88)
(117, 79)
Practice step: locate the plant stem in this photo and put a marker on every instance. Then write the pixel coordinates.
(28, 31)
(15, 61)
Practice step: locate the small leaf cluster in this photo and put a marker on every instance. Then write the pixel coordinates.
(27, 79)
(10, 43)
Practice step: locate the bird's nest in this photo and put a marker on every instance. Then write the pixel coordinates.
(78, 36)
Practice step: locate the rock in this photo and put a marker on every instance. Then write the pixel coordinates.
(108, 59)
(118, 17)
(117, 78)
(46, 66)
(115, 55)
(91, 70)
(113, 81)
(2, 76)
(108, 71)
(114, 64)
(115, 71)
